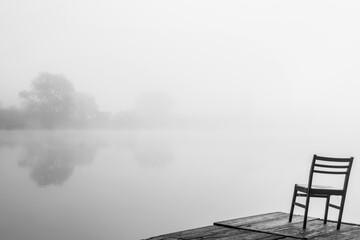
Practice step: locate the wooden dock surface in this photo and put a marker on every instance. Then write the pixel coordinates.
(268, 226)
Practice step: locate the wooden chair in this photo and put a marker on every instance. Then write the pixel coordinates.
(323, 165)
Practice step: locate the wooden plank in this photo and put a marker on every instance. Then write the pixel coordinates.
(314, 228)
(232, 234)
(267, 223)
(352, 233)
(277, 223)
(289, 238)
(217, 232)
(270, 226)
(177, 235)
(262, 221)
(274, 223)
(237, 222)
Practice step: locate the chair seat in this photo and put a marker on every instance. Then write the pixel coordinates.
(320, 189)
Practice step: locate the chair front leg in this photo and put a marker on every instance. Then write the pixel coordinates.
(341, 212)
(306, 209)
(293, 204)
(326, 209)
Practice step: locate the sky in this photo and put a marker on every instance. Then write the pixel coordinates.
(209, 57)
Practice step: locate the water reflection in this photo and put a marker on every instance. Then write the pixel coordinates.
(153, 150)
(153, 156)
(51, 159)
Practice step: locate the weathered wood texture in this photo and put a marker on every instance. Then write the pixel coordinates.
(217, 232)
(263, 221)
(268, 226)
(349, 234)
(278, 223)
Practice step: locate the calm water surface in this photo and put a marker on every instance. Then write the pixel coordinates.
(64, 185)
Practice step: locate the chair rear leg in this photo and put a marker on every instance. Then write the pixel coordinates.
(306, 210)
(326, 209)
(292, 204)
(341, 212)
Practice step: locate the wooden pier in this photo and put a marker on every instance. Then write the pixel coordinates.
(268, 226)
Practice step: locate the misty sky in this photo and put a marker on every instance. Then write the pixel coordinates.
(211, 57)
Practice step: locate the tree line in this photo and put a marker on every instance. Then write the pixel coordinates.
(52, 102)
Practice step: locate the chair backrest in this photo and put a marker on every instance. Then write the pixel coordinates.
(330, 165)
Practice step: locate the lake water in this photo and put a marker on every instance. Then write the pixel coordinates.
(60, 185)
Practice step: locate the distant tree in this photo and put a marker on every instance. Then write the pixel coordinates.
(50, 100)
(11, 118)
(86, 108)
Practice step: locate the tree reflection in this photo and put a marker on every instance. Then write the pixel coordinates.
(52, 159)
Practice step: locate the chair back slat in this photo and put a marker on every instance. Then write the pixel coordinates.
(330, 159)
(330, 165)
(329, 172)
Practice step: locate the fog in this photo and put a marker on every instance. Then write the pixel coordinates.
(118, 114)
(210, 57)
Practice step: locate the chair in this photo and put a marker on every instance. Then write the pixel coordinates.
(323, 165)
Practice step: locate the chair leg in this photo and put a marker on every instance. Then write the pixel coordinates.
(306, 210)
(292, 205)
(341, 212)
(326, 209)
